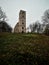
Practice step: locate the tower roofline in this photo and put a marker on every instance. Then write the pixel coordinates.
(22, 10)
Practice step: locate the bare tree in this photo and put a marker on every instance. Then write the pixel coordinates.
(45, 20)
(2, 15)
(35, 27)
(31, 27)
(45, 17)
(46, 31)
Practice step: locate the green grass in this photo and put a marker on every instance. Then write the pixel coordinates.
(24, 49)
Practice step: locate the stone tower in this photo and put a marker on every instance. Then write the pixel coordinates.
(21, 25)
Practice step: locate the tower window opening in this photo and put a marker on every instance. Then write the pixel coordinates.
(22, 27)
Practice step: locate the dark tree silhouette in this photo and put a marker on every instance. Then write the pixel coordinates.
(4, 27)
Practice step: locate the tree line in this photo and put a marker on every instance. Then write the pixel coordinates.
(41, 27)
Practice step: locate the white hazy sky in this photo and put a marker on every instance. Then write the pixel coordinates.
(34, 9)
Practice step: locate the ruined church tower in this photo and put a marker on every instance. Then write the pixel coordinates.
(22, 21)
(21, 25)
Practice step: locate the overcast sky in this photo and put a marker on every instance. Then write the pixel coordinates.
(34, 9)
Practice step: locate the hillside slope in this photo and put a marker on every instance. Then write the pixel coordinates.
(24, 49)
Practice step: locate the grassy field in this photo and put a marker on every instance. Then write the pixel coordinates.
(24, 49)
